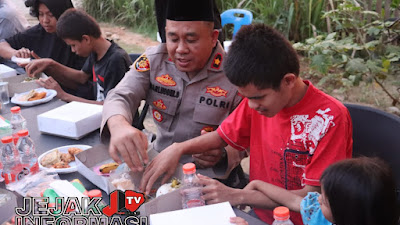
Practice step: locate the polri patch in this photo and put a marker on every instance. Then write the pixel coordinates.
(216, 91)
(217, 61)
(157, 115)
(208, 129)
(159, 104)
(166, 80)
(142, 64)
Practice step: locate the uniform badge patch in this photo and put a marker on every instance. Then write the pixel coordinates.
(166, 80)
(216, 91)
(159, 104)
(208, 129)
(142, 64)
(217, 61)
(157, 115)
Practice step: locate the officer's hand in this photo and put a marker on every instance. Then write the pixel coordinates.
(209, 158)
(164, 163)
(127, 142)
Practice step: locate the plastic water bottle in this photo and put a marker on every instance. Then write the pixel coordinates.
(282, 216)
(27, 154)
(11, 164)
(17, 121)
(191, 190)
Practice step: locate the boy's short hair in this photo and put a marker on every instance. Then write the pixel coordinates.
(261, 56)
(73, 24)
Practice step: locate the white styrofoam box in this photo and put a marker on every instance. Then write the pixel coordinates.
(217, 214)
(73, 120)
(6, 71)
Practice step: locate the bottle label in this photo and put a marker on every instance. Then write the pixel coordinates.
(194, 203)
(8, 177)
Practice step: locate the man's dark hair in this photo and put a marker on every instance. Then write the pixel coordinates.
(261, 56)
(73, 24)
(361, 191)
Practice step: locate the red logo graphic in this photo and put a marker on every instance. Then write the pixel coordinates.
(123, 202)
(208, 129)
(166, 80)
(216, 91)
(159, 104)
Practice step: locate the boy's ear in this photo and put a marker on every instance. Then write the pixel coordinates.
(85, 38)
(289, 80)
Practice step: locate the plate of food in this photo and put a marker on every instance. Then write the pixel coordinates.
(61, 159)
(34, 97)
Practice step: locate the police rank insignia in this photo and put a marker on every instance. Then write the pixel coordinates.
(216, 91)
(159, 104)
(157, 115)
(166, 80)
(217, 61)
(142, 64)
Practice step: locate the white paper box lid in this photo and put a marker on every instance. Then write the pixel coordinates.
(73, 120)
(6, 71)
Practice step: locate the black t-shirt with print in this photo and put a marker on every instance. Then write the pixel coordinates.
(108, 71)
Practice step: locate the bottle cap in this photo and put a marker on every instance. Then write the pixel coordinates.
(6, 139)
(281, 213)
(94, 193)
(15, 109)
(23, 133)
(189, 168)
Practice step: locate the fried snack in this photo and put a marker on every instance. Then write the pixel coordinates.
(50, 159)
(106, 168)
(61, 165)
(74, 151)
(67, 158)
(38, 96)
(28, 96)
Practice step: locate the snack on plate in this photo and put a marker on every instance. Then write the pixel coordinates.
(168, 187)
(33, 95)
(50, 159)
(61, 165)
(59, 160)
(106, 168)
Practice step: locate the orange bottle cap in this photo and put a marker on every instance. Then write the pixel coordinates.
(94, 193)
(189, 168)
(6, 139)
(15, 109)
(281, 212)
(23, 133)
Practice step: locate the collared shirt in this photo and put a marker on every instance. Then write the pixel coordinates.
(181, 107)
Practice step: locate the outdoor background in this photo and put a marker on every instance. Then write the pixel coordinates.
(348, 48)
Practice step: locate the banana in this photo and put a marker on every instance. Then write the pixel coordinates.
(106, 168)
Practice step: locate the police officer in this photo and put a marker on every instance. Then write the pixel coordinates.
(183, 82)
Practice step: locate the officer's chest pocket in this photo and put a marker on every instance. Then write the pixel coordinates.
(163, 109)
(209, 114)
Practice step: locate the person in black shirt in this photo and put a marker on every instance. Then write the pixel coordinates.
(41, 40)
(106, 62)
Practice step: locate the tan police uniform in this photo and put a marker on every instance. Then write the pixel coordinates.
(181, 107)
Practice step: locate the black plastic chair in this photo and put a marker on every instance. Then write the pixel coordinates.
(139, 117)
(377, 133)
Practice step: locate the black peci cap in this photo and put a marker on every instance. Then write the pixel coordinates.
(189, 10)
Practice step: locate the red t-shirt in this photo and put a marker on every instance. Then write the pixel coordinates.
(293, 148)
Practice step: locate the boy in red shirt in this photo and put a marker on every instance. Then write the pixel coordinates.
(292, 130)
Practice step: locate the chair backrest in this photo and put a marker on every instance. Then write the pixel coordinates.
(230, 17)
(139, 117)
(376, 133)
